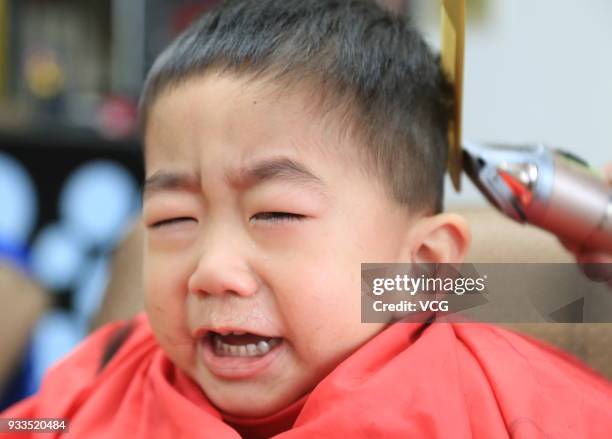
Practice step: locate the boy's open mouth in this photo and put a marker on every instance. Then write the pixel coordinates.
(241, 344)
(234, 354)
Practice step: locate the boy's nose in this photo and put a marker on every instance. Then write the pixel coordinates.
(222, 270)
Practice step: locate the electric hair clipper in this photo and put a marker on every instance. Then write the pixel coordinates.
(546, 187)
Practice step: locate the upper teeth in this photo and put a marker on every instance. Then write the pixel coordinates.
(231, 332)
(249, 350)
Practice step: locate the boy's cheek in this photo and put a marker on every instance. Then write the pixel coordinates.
(328, 312)
(165, 289)
(319, 307)
(166, 313)
(165, 270)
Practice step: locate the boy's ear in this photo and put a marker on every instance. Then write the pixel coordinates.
(442, 238)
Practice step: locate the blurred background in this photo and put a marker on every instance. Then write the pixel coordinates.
(70, 157)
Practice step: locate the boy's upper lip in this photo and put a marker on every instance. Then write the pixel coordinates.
(227, 329)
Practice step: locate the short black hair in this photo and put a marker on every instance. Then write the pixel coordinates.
(371, 62)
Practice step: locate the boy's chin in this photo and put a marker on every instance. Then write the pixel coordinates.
(250, 400)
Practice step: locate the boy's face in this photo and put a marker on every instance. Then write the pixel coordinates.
(258, 217)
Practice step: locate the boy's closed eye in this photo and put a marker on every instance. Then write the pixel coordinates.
(275, 217)
(172, 222)
(272, 217)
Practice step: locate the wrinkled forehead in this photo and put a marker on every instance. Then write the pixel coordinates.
(229, 118)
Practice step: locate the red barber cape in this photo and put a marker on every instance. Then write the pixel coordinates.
(435, 380)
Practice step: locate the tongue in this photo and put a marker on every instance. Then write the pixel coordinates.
(244, 339)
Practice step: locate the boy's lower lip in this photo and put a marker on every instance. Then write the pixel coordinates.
(228, 367)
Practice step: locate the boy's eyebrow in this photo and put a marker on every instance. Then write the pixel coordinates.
(275, 168)
(171, 180)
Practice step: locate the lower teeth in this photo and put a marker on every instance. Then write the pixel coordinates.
(249, 350)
